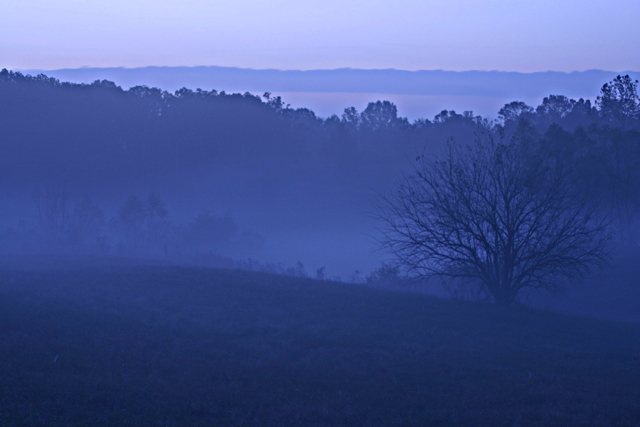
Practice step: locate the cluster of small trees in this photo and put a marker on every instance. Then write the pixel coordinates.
(140, 226)
(62, 219)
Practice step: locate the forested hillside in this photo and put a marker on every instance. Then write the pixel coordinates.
(80, 159)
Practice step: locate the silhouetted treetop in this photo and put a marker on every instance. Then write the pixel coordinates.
(618, 102)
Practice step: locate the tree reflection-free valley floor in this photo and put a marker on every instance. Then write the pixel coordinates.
(118, 345)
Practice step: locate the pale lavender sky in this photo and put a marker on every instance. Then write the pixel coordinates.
(510, 35)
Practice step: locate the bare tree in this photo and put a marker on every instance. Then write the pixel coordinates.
(486, 214)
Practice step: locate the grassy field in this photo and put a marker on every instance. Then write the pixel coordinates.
(127, 345)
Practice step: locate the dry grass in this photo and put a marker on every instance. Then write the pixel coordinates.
(167, 346)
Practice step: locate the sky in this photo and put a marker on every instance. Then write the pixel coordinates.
(506, 35)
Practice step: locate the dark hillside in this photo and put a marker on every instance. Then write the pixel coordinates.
(110, 345)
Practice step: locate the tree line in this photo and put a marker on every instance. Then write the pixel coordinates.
(92, 137)
(100, 133)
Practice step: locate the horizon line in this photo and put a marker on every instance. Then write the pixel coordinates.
(121, 67)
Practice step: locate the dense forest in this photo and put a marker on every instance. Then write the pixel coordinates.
(94, 168)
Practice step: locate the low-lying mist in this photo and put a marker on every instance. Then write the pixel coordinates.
(246, 181)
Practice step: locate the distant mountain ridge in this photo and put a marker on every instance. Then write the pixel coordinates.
(392, 81)
(417, 94)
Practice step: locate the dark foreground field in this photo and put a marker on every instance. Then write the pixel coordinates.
(115, 345)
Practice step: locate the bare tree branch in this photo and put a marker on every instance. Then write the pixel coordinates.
(487, 214)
